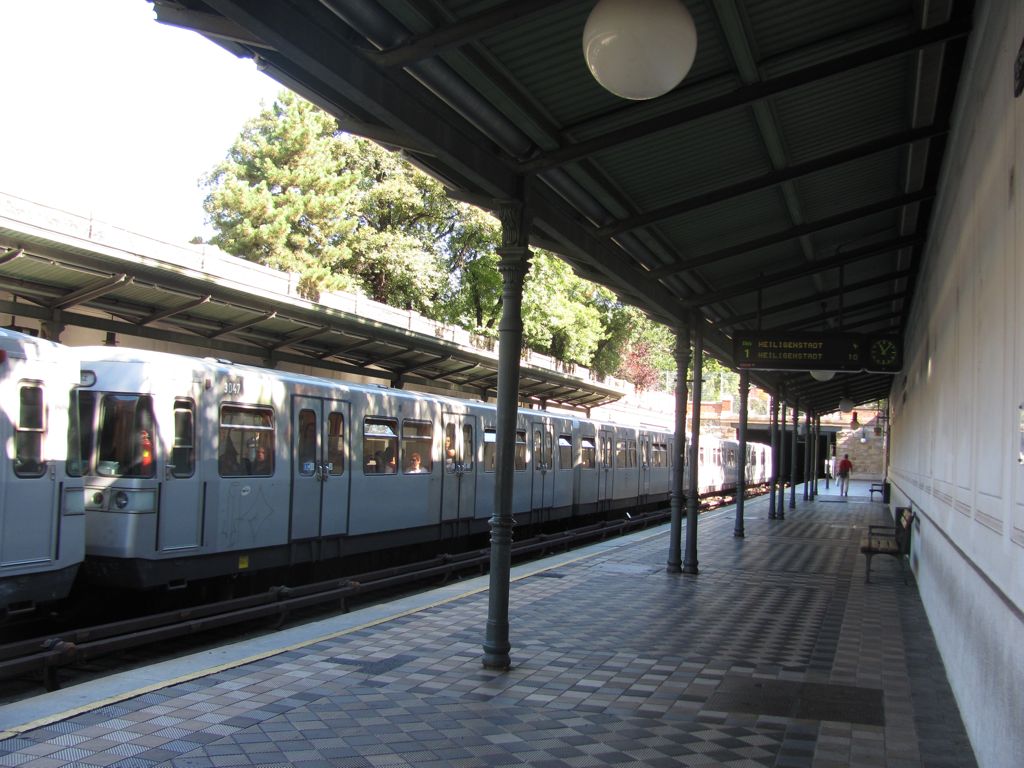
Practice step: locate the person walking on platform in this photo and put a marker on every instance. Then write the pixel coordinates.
(843, 470)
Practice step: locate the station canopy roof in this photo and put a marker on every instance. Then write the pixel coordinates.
(787, 184)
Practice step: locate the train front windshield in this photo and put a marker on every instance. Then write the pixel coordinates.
(111, 435)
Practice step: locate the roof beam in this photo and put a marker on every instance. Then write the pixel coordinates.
(92, 291)
(747, 94)
(735, 320)
(163, 314)
(11, 255)
(843, 312)
(793, 232)
(771, 179)
(242, 325)
(208, 24)
(865, 252)
(424, 46)
(295, 338)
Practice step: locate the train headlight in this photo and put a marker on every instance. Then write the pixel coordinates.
(97, 498)
(121, 499)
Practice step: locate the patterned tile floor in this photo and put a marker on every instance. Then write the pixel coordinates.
(777, 654)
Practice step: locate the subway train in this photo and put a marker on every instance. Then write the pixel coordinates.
(42, 520)
(185, 469)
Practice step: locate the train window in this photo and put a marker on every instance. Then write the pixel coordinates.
(380, 445)
(565, 451)
(588, 453)
(126, 437)
(490, 449)
(731, 457)
(28, 433)
(701, 455)
(450, 456)
(520, 450)
(336, 443)
(606, 450)
(82, 408)
(659, 455)
(306, 452)
(620, 453)
(183, 453)
(246, 441)
(467, 446)
(417, 442)
(538, 450)
(631, 454)
(645, 452)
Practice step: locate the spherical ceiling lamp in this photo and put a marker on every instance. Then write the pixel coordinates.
(846, 405)
(639, 49)
(822, 375)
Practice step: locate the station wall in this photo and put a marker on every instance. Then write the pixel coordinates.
(958, 405)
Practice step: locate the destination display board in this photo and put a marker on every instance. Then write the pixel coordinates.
(773, 350)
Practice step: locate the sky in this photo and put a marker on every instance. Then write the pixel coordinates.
(106, 113)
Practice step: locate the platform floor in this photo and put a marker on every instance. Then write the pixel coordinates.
(776, 654)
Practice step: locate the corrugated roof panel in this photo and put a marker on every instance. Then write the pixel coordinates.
(845, 110)
(683, 162)
(870, 179)
(780, 26)
(718, 226)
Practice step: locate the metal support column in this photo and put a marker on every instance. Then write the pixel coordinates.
(677, 499)
(792, 461)
(828, 457)
(773, 480)
(780, 510)
(693, 496)
(514, 263)
(807, 455)
(52, 328)
(741, 459)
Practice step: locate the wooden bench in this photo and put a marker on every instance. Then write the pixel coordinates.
(878, 488)
(889, 540)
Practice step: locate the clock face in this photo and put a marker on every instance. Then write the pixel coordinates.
(883, 352)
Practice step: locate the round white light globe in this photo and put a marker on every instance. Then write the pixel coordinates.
(639, 49)
(822, 375)
(846, 405)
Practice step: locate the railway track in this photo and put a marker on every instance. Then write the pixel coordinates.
(64, 657)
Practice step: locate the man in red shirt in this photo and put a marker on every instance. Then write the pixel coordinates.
(843, 470)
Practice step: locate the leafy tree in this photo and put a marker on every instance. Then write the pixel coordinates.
(281, 195)
(559, 318)
(472, 297)
(403, 221)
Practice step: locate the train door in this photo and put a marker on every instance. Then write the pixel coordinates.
(458, 494)
(28, 483)
(319, 467)
(181, 503)
(586, 474)
(605, 477)
(645, 464)
(543, 478)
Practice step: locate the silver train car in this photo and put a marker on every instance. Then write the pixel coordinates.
(188, 469)
(194, 468)
(42, 522)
